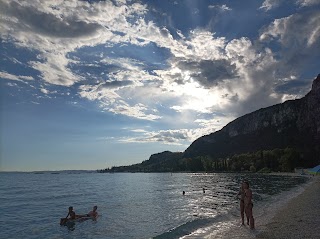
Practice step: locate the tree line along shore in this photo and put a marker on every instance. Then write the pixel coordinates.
(263, 161)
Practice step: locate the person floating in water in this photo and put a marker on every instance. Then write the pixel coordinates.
(93, 213)
(248, 205)
(241, 193)
(183, 192)
(71, 216)
(204, 190)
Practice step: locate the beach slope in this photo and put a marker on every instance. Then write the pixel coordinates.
(299, 218)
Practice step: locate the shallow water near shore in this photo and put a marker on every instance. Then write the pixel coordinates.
(132, 205)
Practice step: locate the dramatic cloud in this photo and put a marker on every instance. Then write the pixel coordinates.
(33, 19)
(54, 30)
(298, 29)
(299, 39)
(191, 80)
(206, 72)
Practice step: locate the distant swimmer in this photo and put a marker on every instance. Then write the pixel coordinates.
(183, 192)
(93, 213)
(204, 191)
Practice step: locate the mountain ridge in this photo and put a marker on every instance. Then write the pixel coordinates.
(294, 123)
(293, 127)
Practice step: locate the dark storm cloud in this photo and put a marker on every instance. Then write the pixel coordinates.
(170, 136)
(232, 98)
(209, 72)
(31, 19)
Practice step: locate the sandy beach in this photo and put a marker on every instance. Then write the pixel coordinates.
(293, 218)
(299, 218)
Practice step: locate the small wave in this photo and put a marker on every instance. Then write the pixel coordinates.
(187, 228)
(191, 227)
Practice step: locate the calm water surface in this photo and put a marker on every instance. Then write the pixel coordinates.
(131, 205)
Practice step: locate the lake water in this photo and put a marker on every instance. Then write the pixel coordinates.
(133, 205)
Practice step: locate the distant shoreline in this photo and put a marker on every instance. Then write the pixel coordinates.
(247, 172)
(52, 171)
(177, 172)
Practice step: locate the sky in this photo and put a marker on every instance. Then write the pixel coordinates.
(95, 84)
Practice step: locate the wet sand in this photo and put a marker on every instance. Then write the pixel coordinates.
(299, 218)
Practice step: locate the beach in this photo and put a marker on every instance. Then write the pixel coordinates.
(299, 218)
(292, 214)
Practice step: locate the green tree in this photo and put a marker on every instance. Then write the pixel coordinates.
(252, 169)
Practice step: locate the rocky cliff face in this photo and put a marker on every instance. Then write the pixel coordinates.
(294, 123)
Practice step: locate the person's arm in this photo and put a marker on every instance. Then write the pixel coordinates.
(81, 216)
(90, 214)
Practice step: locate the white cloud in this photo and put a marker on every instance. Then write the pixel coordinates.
(111, 101)
(267, 5)
(95, 92)
(56, 28)
(44, 91)
(178, 136)
(138, 111)
(138, 130)
(11, 84)
(223, 7)
(307, 3)
(298, 36)
(296, 29)
(172, 137)
(9, 76)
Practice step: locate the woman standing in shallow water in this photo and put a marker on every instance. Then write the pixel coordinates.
(241, 193)
(248, 205)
